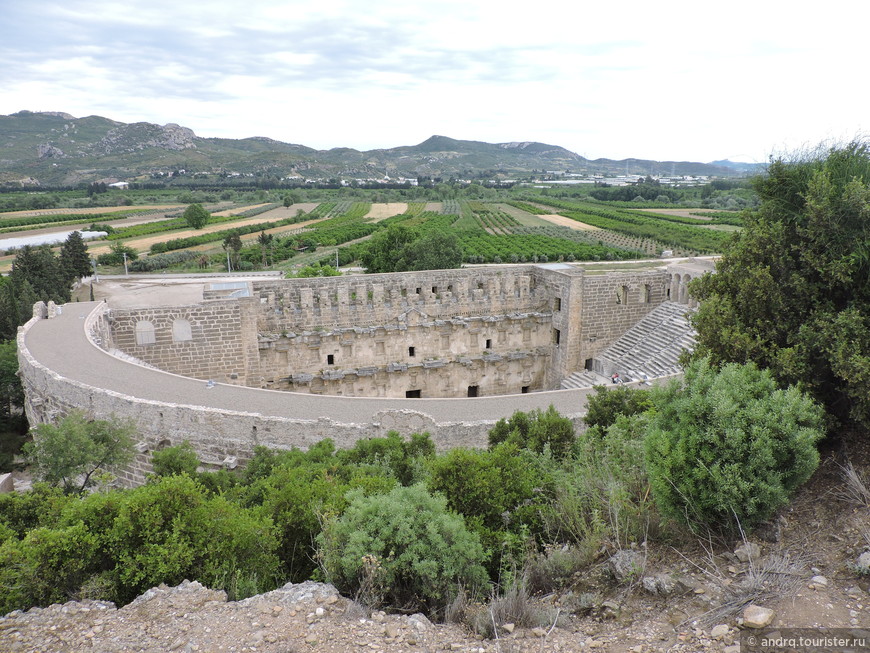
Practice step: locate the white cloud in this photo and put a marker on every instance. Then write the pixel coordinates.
(665, 81)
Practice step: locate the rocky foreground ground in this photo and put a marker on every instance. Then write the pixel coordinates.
(666, 612)
(810, 568)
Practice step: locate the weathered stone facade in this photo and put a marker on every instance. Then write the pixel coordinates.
(506, 335)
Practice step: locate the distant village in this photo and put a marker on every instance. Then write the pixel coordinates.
(548, 177)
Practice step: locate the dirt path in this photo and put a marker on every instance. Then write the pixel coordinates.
(562, 221)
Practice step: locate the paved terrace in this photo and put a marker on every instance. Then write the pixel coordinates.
(61, 344)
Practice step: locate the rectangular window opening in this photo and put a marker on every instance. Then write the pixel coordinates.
(419, 290)
(557, 304)
(525, 390)
(434, 290)
(411, 351)
(412, 394)
(330, 359)
(472, 390)
(556, 336)
(489, 343)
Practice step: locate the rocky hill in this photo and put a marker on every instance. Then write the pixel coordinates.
(55, 148)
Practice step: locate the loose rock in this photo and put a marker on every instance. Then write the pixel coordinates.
(755, 616)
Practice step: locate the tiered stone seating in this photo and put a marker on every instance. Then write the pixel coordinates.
(649, 349)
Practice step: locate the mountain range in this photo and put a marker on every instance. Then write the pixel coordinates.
(57, 149)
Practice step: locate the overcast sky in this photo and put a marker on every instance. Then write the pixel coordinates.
(672, 80)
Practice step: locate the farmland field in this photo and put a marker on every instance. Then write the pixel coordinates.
(382, 211)
(534, 229)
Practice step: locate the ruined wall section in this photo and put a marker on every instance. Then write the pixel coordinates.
(613, 303)
(378, 299)
(214, 340)
(437, 358)
(438, 333)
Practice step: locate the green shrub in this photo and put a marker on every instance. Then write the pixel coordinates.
(728, 448)
(400, 458)
(47, 566)
(607, 404)
(41, 506)
(535, 430)
(116, 255)
(404, 548)
(503, 495)
(170, 530)
(180, 459)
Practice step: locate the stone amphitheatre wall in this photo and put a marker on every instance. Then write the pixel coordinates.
(613, 303)
(543, 323)
(450, 333)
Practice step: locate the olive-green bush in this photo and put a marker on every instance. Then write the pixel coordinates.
(727, 448)
(404, 548)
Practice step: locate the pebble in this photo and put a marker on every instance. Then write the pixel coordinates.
(719, 631)
(819, 581)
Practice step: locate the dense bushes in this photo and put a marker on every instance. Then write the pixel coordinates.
(403, 548)
(728, 448)
(393, 523)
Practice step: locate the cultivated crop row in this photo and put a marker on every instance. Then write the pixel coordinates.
(671, 235)
(528, 208)
(450, 207)
(15, 223)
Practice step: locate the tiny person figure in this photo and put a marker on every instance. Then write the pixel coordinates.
(615, 378)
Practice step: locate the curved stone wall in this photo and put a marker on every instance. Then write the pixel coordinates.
(68, 361)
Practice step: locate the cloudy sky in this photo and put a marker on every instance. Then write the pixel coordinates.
(656, 80)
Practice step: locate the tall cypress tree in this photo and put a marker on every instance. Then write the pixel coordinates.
(74, 257)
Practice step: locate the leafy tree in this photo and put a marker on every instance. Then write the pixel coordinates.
(535, 430)
(17, 298)
(13, 423)
(435, 250)
(233, 245)
(792, 291)
(399, 249)
(196, 216)
(116, 253)
(70, 453)
(74, 258)
(386, 249)
(266, 243)
(42, 270)
(727, 448)
(404, 548)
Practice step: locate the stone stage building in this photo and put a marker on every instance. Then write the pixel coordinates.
(285, 363)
